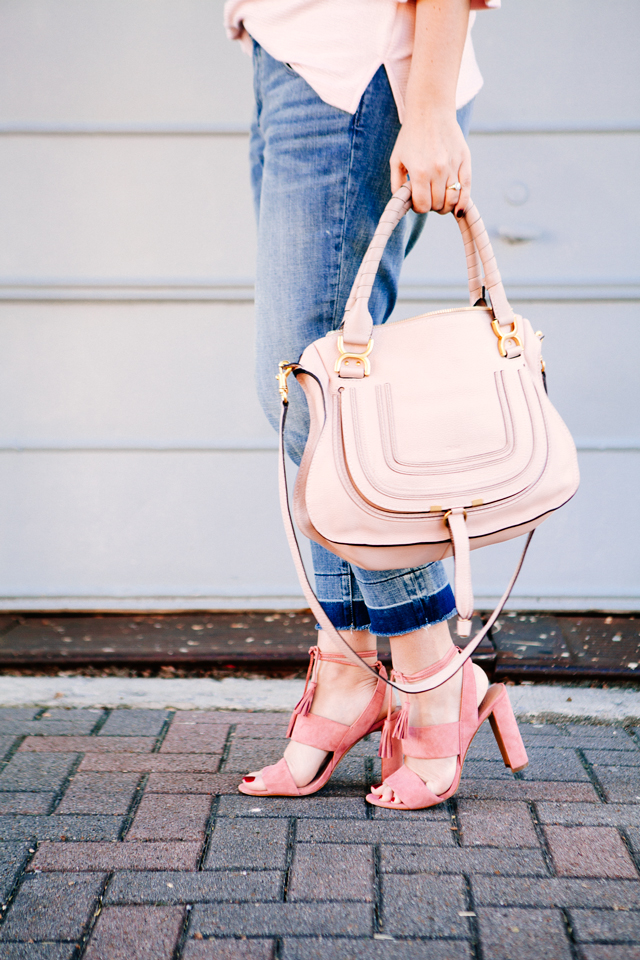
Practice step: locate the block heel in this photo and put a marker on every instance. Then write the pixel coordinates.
(505, 730)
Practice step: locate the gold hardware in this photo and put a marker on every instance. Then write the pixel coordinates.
(503, 337)
(436, 508)
(477, 503)
(539, 334)
(360, 358)
(543, 365)
(448, 514)
(284, 369)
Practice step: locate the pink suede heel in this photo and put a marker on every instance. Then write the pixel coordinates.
(449, 740)
(336, 738)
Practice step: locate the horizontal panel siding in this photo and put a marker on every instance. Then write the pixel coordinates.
(149, 524)
(181, 375)
(162, 525)
(146, 478)
(138, 375)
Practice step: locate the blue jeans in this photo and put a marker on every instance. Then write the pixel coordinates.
(320, 181)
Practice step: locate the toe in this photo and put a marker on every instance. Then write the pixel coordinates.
(253, 783)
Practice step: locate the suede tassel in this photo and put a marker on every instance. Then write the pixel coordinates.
(402, 724)
(303, 706)
(385, 750)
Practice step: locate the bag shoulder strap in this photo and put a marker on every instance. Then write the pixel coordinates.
(429, 683)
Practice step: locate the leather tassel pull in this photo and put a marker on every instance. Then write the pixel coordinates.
(303, 706)
(402, 723)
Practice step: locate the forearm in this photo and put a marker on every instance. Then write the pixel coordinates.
(441, 30)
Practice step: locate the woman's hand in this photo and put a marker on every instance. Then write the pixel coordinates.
(432, 151)
(431, 148)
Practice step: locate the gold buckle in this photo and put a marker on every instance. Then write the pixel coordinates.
(503, 337)
(284, 369)
(360, 358)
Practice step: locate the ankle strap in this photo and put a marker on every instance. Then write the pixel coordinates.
(428, 671)
(340, 657)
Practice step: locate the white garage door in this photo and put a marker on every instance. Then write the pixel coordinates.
(136, 468)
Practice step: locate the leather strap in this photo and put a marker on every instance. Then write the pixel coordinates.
(358, 325)
(429, 683)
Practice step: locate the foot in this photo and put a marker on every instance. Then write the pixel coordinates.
(436, 706)
(343, 692)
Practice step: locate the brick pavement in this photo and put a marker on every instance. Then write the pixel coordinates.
(122, 836)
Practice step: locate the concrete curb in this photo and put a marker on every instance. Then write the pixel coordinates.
(530, 701)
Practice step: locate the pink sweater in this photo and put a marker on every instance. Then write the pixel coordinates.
(338, 45)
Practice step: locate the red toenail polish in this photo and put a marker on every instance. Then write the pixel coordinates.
(248, 779)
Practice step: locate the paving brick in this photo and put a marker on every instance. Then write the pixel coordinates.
(539, 740)
(620, 784)
(6, 743)
(345, 949)
(254, 807)
(146, 933)
(209, 783)
(553, 764)
(408, 816)
(46, 728)
(267, 730)
(261, 845)
(484, 749)
(496, 824)
(25, 802)
(282, 919)
(542, 729)
(234, 716)
(52, 906)
(116, 856)
(246, 755)
(514, 934)
(13, 857)
(436, 834)
(610, 952)
(589, 852)
(323, 872)
(76, 715)
(561, 892)
(231, 949)
(614, 758)
(36, 771)
(633, 836)
(486, 770)
(425, 906)
(60, 827)
(18, 713)
(134, 723)
(592, 736)
(37, 951)
(367, 747)
(165, 817)
(488, 860)
(614, 925)
(207, 887)
(527, 790)
(150, 763)
(189, 737)
(99, 793)
(590, 814)
(87, 745)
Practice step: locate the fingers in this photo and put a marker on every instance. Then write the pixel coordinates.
(398, 173)
(464, 176)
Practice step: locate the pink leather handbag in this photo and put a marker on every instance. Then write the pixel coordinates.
(429, 437)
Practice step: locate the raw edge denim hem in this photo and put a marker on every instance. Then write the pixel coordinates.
(337, 613)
